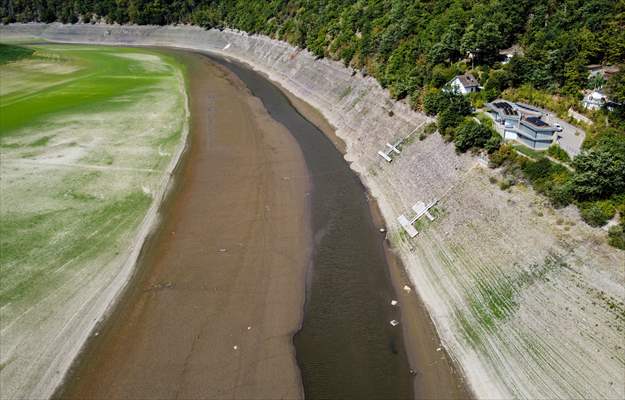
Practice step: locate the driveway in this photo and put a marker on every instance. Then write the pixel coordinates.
(571, 137)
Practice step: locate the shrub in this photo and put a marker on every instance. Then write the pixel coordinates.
(597, 213)
(616, 235)
(505, 153)
(447, 119)
(560, 195)
(558, 153)
(430, 128)
(506, 183)
(537, 170)
(493, 143)
(619, 203)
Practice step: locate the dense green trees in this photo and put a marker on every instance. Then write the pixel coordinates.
(600, 171)
(406, 44)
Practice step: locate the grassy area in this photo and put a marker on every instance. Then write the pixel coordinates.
(94, 81)
(86, 134)
(494, 300)
(10, 53)
(531, 153)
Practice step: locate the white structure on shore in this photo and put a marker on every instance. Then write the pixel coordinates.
(464, 84)
(595, 100)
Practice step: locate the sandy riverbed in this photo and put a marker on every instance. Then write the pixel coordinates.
(221, 326)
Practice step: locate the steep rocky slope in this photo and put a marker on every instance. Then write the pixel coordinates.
(527, 299)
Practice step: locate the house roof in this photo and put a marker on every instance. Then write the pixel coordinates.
(607, 71)
(505, 107)
(538, 123)
(467, 80)
(597, 95)
(514, 50)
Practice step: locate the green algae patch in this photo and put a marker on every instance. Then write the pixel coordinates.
(77, 79)
(9, 52)
(494, 300)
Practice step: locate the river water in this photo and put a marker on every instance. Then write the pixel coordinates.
(346, 347)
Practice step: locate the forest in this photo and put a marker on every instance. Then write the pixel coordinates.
(414, 47)
(406, 44)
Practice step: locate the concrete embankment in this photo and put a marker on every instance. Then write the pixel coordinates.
(527, 299)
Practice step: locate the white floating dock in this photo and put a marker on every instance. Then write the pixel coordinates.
(384, 156)
(403, 221)
(420, 209)
(393, 148)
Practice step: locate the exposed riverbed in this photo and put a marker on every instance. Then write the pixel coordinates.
(346, 347)
(220, 287)
(182, 327)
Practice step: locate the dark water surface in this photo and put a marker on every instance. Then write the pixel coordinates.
(346, 348)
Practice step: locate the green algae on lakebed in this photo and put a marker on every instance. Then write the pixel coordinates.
(87, 134)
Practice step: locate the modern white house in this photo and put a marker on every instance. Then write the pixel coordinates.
(464, 84)
(521, 124)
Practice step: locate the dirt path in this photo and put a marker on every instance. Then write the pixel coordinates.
(221, 289)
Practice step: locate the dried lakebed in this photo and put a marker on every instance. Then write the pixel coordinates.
(202, 253)
(527, 299)
(240, 345)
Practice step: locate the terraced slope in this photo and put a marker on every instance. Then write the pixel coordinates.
(88, 136)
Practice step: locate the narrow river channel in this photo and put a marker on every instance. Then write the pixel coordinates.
(346, 348)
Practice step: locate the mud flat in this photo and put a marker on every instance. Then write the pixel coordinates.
(221, 286)
(527, 300)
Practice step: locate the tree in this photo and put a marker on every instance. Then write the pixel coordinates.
(483, 42)
(600, 171)
(434, 101)
(616, 86)
(447, 119)
(471, 134)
